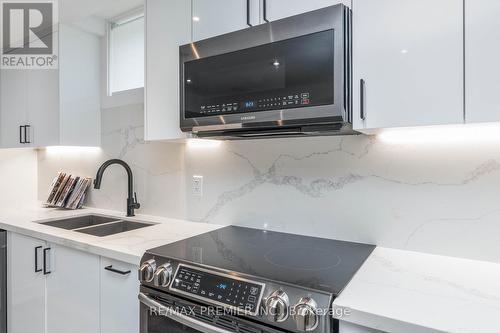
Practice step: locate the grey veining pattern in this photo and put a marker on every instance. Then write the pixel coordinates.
(435, 198)
(132, 136)
(465, 291)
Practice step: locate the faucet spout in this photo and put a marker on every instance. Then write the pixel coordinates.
(132, 203)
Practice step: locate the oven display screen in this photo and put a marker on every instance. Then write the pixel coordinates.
(221, 289)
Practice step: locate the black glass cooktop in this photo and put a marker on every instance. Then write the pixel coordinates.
(315, 263)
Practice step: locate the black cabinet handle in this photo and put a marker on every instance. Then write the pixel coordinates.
(27, 138)
(37, 270)
(21, 134)
(248, 13)
(362, 114)
(264, 10)
(117, 271)
(45, 270)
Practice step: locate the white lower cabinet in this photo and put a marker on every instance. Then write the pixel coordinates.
(119, 290)
(56, 289)
(26, 285)
(72, 291)
(345, 327)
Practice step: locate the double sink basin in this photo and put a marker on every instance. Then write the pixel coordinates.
(97, 225)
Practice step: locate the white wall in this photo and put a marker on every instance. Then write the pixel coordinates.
(434, 198)
(18, 176)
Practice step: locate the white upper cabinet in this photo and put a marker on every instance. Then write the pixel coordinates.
(278, 9)
(168, 25)
(482, 65)
(13, 106)
(217, 17)
(409, 55)
(45, 107)
(79, 88)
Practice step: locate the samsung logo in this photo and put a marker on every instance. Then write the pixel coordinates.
(248, 118)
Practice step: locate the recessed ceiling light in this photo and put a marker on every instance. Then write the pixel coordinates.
(196, 18)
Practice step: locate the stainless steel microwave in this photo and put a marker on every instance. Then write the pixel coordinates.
(290, 77)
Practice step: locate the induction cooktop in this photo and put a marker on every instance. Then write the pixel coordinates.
(309, 262)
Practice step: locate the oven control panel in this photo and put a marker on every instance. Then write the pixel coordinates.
(217, 288)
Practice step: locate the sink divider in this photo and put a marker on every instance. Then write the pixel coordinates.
(98, 225)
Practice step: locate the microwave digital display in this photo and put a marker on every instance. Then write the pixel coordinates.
(288, 74)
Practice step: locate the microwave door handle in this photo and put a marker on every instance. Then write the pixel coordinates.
(178, 317)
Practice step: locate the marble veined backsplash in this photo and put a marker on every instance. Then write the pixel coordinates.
(436, 198)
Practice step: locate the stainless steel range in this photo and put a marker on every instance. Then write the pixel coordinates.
(246, 280)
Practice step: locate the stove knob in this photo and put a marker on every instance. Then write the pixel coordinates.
(163, 275)
(277, 306)
(305, 315)
(147, 270)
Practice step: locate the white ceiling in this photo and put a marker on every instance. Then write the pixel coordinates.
(90, 15)
(74, 11)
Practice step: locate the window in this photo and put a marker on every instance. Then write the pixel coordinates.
(126, 52)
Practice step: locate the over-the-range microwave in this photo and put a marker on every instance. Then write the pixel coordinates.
(290, 77)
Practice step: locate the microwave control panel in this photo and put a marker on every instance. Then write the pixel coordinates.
(259, 104)
(220, 289)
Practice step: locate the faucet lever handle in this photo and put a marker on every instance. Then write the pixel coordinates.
(136, 204)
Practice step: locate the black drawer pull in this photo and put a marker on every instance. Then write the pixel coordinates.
(117, 271)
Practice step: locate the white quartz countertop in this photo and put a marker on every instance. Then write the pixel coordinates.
(402, 291)
(394, 291)
(127, 246)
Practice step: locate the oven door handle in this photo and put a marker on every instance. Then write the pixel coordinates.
(178, 317)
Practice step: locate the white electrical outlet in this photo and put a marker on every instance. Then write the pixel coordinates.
(197, 186)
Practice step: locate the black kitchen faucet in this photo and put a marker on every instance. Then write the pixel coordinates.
(132, 196)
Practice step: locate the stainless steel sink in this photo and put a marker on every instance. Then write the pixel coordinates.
(79, 222)
(113, 228)
(97, 225)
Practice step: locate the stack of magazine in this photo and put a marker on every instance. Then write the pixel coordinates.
(68, 191)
